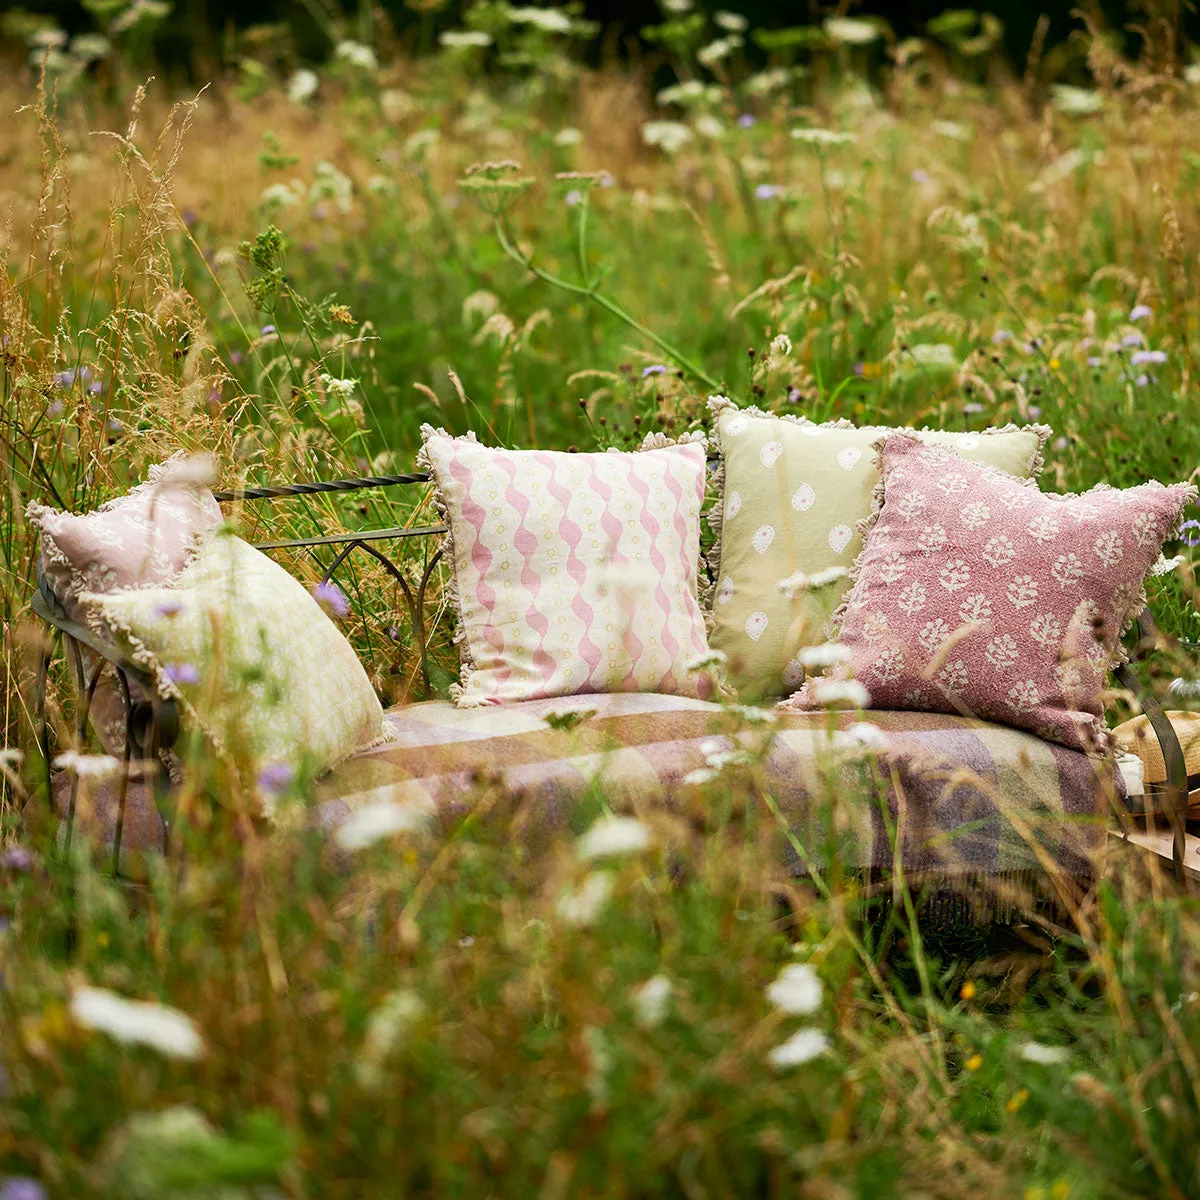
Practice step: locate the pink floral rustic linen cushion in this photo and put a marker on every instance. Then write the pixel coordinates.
(573, 572)
(976, 593)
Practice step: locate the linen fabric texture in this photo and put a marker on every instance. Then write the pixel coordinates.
(254, 660)
(976, 593)
(792, 498)
(142, 539)
(573, 572)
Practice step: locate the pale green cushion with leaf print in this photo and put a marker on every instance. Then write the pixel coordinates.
(793, 495)
(255, 661)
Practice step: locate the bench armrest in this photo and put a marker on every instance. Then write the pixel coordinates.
(151, 724)
(1175, 794)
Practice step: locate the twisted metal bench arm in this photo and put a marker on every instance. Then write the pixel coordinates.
(310, 489)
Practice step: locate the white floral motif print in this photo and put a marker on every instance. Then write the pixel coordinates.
(1109, 548)
(892, 568)
(976, 607)
(933, 634)
(1080, 511)
(1024, 695)
(1017, 498)
(839, 538)
(912, 599)
(1023, 591)
(725, 590)
(1067, 570)
(1043, 528)
(1144, 531)
(912, 504)
(914, 699)
(954, 575)
(1001, 651)
(975, 514)
(733, 505)
(931, 539)
(735, 425)
(999, 550)
(889, 665)
(953, 483)
(953, 676)
(875, 626)
(1046, 630)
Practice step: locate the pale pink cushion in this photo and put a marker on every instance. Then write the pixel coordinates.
(573, 572)
(142, 539)
(976, 593)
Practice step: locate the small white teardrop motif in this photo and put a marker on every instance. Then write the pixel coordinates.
(764, 535)
(803, 497)
(756, 624)
(769, 454)
(848, 456)
(839, 538)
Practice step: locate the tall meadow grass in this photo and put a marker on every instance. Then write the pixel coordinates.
(293, 269)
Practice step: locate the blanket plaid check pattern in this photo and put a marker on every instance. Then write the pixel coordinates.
(944, 794)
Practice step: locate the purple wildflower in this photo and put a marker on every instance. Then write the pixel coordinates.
(236, 357)
(657, 369)
(1138, 357)
(21, 1187)
(96, 388)
(17, 860)
(574, 196)
(972, 409)
(1130, 340)
(185, 674)
(794, 396)
(1142, 380)
(332, 599)
(860, 368)
(275, 778)
(920, 176)
(1001, 336)
(768, 191)
(747, 121)
(64, 378)
(189, 217)
(114, 426)
(1139, 312)
(605, 178)
(1034, 411)
(268, 329)
(1189, 533)
(394, 633)
(55, 410)
(1094, 360)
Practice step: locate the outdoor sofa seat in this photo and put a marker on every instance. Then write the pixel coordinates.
(960, 797)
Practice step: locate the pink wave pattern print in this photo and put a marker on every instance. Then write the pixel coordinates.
(975, 593)
(574, 573)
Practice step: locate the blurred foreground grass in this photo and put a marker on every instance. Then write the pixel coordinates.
(284, 270)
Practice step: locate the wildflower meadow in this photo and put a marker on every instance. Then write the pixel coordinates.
(522, 222)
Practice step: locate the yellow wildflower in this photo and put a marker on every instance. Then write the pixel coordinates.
(974, 1062)
(1018, 1099)
(968, 990)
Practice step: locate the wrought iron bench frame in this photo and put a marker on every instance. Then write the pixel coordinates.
(152, 726)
